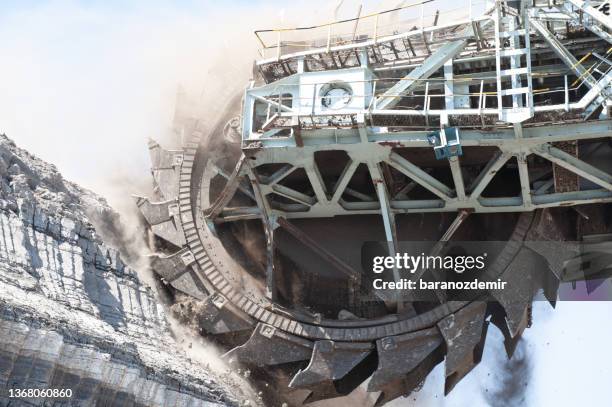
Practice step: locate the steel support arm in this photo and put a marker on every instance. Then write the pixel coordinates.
(487, 173)
(294, 195)
(344, 180)
(603, 19)
(393, 95)
(564, 54)
(575, 165)
(317, 248)
(419, 176)
(226, 195)
(386, 212)
(595, 29)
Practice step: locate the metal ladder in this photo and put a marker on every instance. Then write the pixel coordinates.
(507, 27)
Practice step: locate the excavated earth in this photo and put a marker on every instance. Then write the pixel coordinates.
(74, 315)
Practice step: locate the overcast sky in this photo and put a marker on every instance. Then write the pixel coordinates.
(84, 84)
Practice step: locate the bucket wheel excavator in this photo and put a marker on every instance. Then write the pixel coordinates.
(490, 128)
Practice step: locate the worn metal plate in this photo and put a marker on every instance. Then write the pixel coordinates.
(330, 361)
(462, 332)
(399, 355)
(271, 346)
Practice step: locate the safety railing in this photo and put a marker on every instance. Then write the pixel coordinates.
(431, 90)
(274, 43)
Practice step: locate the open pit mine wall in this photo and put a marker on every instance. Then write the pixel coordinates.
(72, 314)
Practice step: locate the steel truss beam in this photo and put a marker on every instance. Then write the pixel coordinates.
(380, 149)
(571, 62)
(488, 172)
(419, 176)
(598, 89)
(594, 13)
(348, 129)
(528, 200)
(226, 195)
(595, 29)
(575, 165)
(385, 209)
(393, 95)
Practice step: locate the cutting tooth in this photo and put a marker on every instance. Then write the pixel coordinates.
(161, 218)
(269, 346)
(464, 334)
(154, 212)
(176, 270)
(166, 167)
(189, 283)
(547, 238)
(322, 391)
(593, 284)
(345, 385)
(171, 266)
(218, 316)
(499, 320)
(330, 361)
(596, 260)
(550, 286)
(522, 284)
(399, 355)
(409, 382)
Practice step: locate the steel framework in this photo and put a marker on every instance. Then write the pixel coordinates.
(524, 90)
(336, 107)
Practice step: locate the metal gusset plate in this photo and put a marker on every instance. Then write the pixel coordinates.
(270, 346)
(218, 316)
(522, 283)
(330, 361)
(409, 382)
(160, 217)
(464, 333)
(399, 355)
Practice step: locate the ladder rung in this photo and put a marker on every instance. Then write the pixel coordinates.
(514, 71)
(507, 34)
(513, 52)
(515, 91)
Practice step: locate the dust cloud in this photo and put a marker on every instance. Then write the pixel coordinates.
(513, 378)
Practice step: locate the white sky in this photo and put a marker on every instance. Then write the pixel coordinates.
(84, 84)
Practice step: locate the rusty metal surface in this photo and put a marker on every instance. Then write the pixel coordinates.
(565, 180)
(408, 383)
(399, 355)
(522, 283)
(464, 334)
(330, 361)
(219, 317)
(270, 346)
